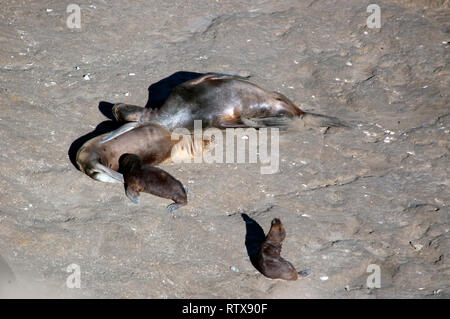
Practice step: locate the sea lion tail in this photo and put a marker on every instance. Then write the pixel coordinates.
(319, 120)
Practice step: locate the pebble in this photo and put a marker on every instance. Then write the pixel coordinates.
(388, 139)
(323, 278)
(234, 269)
(87, 77)
(348, 63)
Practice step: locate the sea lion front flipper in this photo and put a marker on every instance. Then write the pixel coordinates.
(105, 174)
(127, 112)
(132, 194)
(224, 76)
(121, 130)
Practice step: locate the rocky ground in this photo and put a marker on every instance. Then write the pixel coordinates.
(374, 194)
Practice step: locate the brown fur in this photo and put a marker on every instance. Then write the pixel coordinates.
(151, 142)
(219, 101)
(146, 178)
(270, 263)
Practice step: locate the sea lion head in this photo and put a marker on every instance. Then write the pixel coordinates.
(277, 232)
(128, 161)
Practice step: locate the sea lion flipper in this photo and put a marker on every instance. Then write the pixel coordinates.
(304, 273)
(281, 122)
(132, 194)
(172, 207)
(223, 76)
(121, 130)
(105, 174)
(127, 112)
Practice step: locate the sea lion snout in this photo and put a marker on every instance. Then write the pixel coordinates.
(276, 221)
(277, 231)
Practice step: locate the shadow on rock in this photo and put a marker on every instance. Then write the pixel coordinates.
(7, 278)
(102, 128)
(159, 92)
(253, 239)
(106, 109)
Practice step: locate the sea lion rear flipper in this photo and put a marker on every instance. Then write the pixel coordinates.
(121, 130)
(304, 273)
(174, 206)
(281, 122)
(132, 194)
(320, 120)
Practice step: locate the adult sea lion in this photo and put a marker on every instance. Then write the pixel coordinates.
(270, 263)
(151, 142)
(222, 101)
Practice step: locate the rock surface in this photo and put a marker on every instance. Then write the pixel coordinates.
(374, 194)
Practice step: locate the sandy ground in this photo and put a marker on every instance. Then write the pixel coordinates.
(374, 194)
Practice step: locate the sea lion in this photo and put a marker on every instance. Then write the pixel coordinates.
(151, 142)
(222, 101)
(270, 263)
(149, 179)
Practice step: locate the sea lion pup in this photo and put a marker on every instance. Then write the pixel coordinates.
(149, 179)
(151, 142)
(270, 263)
(222, 101)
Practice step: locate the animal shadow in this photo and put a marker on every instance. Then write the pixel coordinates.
(102, 128)
(159, 91)
(253, 239)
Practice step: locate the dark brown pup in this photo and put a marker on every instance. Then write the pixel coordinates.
(149, 179)
(270, 263)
